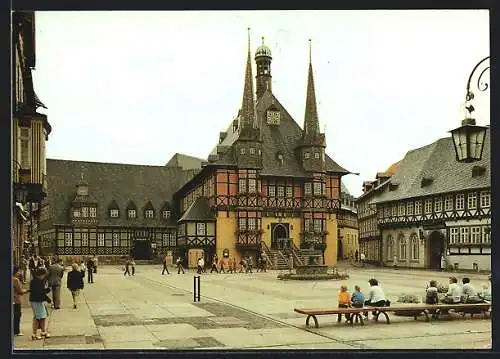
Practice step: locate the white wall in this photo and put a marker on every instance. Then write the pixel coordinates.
(465, 261)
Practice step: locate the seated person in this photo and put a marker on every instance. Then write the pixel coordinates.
(453, 296)
(344, 301)
(486, 293)
(469, 294)
(376, 296)
(431, 295)
(358, 298)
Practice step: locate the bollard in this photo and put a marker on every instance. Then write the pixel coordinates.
(196, 288)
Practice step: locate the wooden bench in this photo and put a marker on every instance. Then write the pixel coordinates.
(413, 311)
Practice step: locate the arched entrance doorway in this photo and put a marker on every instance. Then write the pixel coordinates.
(279, 232)
(436, 249)
(340, 254)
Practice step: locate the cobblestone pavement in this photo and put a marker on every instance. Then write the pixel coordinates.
(151, 311)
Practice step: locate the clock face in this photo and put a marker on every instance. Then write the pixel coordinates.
(273, 117)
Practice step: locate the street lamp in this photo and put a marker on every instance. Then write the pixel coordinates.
(468, 139)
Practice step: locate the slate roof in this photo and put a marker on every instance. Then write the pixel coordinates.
(199, 210)
(437, 161)
(113, 181)
(283, 138)
(185, 162)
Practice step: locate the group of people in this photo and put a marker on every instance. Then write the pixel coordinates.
(223, 265)
(178, 265)
(358, 257)
(42, 282)
(466, 293)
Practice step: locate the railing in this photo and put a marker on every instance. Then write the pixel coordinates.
(295, 254)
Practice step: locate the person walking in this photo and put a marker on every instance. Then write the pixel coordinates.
(233, 265)
(362, 259)
(222, 264)
(214, 264)
(90, 270)
(127, 267)
(264, 262)
(203, 265)
(250, 264)
(38, 295)
(356, 255)
(443, 262)
(75, 282)
(199, 269)
(132, 264)
(95, 260)
(243, 264)
(55, 274)
(24, 270)
(259, 264)
(17, 291)
(83, 268)
(32, 265)
(179, 266)
(165, 268)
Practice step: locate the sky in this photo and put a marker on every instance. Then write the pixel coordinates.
(138, 87)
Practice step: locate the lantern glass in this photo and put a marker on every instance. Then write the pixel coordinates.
(469, 142)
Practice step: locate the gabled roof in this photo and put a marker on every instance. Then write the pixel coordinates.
(185, 162)
(199, 210)
(283, 138)
(443, 173)
(110, 182)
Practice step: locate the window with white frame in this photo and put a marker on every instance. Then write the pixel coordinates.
(438, 205)
(402, 248)
(390, 248)
(317, 188)
(242, 183)
(24, 139)
(242, 222)
(418, 207)
(100, 239)
(166, 214)
(272, 191)
(448, 203)
(308, 188)
(428, 206)
(394, 209)
(149, 213)
(131, 213)
(201, 229)
(415, 249)
(401, 209)
(317, 225)
(409, 208)
(93, 212)
(76, 212)
(252, 151)
(485, 199)
(486, 234)
(289, 191)
(252, 185)
(460, 201)
(475, 235)
(85, 211)
(464, 235)
(316, 155)
(116, 239)
(307, 155)
(242, 151)
(472, 201)
(454, 235)
(68, 239)
(387, 211)
(114, 213)
(85, 239)
(252, 224)
(281, 191)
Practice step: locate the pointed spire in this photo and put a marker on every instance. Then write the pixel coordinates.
(311, 120)
(248, 103)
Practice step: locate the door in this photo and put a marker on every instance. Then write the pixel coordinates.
(279, 235)
(340, 254)
(436, 249)
(142, 250)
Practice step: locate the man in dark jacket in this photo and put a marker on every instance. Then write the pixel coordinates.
(90, 270)
(55, 274)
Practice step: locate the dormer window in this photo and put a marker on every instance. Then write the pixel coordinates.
(149, 213)
(251, 151)
(166, 214)
(114, 213)
(76, 212)
(242, 151)
(316, 155)
(131, 213)
(307, 155)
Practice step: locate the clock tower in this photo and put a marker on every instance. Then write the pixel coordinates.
(263, 60)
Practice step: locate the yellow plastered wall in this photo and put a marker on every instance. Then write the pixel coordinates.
(295, 225)
(331, 241)
(347, 233)
(226, 237)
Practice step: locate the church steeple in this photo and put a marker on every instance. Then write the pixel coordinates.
(248, 120)
(311, 120)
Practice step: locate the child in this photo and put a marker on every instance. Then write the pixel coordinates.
(358, 298)
(344, 302)
(431, 295)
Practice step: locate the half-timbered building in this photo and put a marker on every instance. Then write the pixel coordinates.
(370, 240)
(433, 206)
(30, 129)
(268, 182)
(347, 220)
(110, 209)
